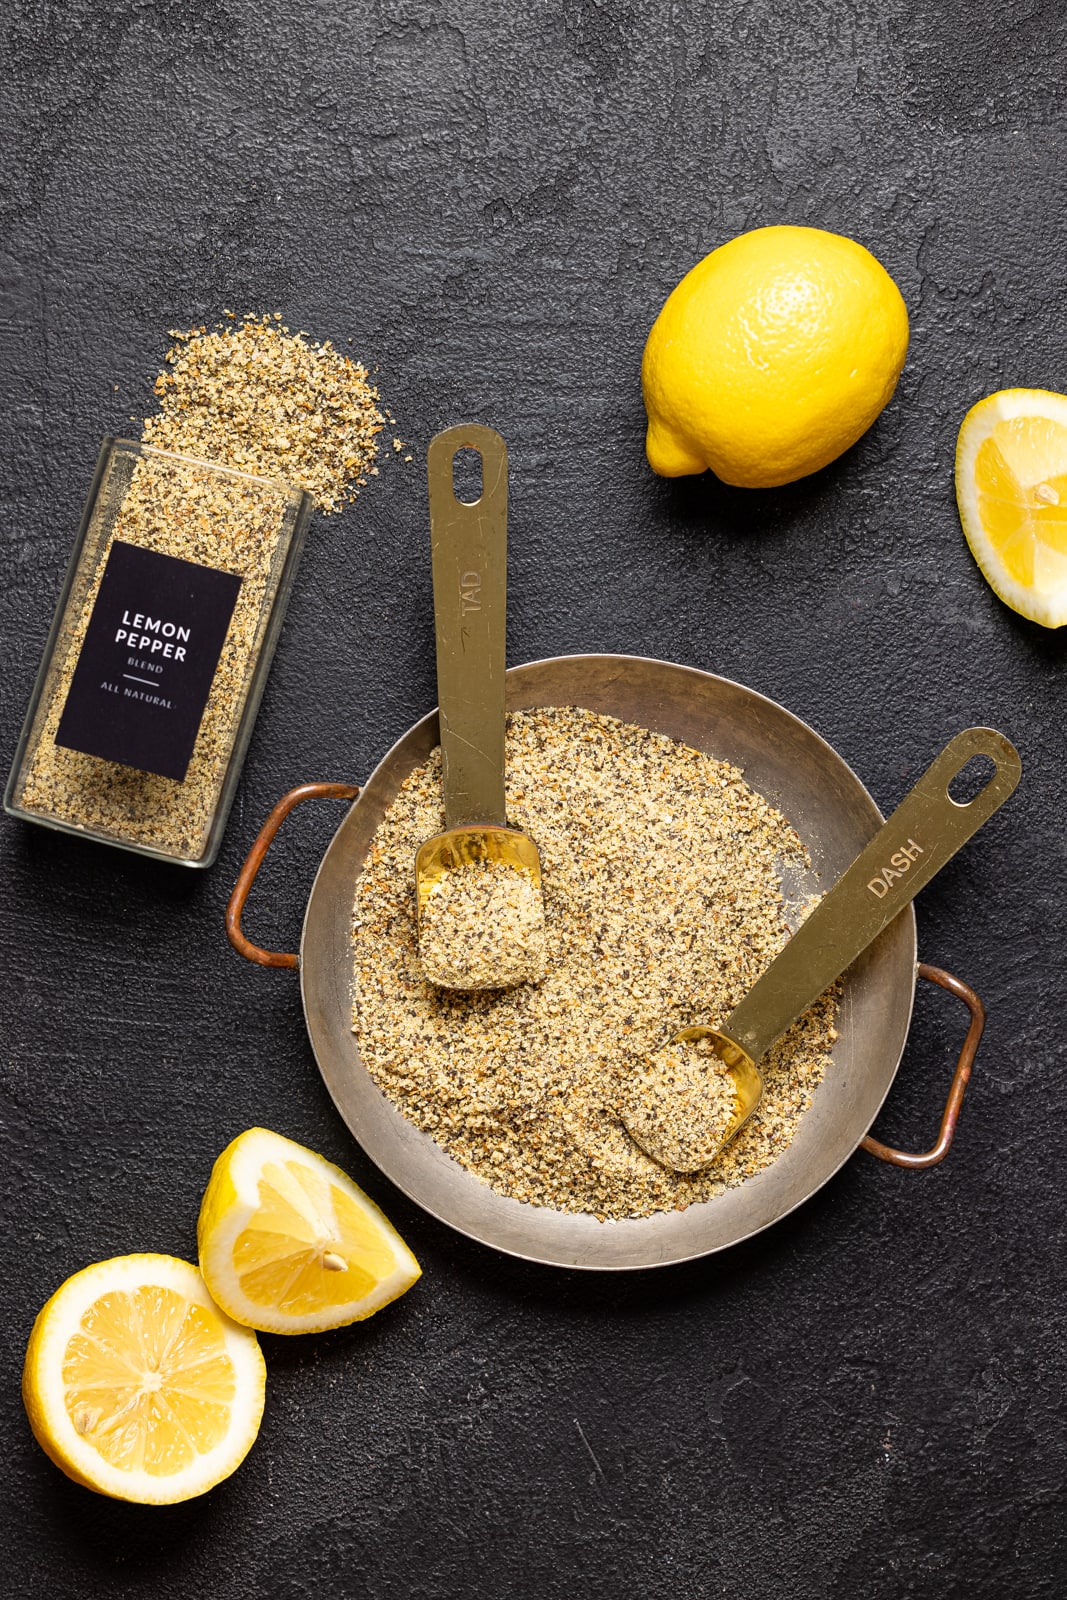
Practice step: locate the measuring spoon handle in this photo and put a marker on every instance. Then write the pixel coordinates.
(469, 552)
(924, 832)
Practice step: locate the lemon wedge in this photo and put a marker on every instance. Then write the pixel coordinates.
(289, 1244)
(1011, 488)
(138, 1386)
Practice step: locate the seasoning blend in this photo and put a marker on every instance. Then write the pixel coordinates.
(662, 876)
(158, 653)
(482, 927)
(685, 1104)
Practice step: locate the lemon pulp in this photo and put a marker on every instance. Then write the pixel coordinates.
(1026, 521)
(137, 1385)
(1011, 487)
(307, 1246)
(147, 1380)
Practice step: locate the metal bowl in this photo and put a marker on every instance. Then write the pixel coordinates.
(834, 815)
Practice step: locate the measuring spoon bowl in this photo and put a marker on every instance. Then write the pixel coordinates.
(461, 847)
(677, 1126)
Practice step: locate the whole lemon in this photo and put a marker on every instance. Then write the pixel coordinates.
(771, 357)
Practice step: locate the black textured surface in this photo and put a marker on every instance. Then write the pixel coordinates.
(492, 203)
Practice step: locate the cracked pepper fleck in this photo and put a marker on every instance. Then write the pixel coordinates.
(663, 903)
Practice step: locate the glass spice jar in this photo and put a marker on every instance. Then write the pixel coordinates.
(158, 654)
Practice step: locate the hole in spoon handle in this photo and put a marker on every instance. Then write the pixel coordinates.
(988, 749)
(929, 826)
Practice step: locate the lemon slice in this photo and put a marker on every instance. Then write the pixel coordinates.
(138, 1386)
(1011, 488)
(289, 1244)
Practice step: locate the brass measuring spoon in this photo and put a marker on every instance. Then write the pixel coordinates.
(469, 553)
(675, 1115)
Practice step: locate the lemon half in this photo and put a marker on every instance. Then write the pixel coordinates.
(138, 1386)
(289, 1244)
(1011, 488)
(771, 357)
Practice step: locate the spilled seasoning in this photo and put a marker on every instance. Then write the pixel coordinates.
(663, 905)
(263, 401)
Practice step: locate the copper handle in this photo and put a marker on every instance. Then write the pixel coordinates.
(951, 1113)
(254, 860)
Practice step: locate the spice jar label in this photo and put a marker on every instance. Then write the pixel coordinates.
(147, 661)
